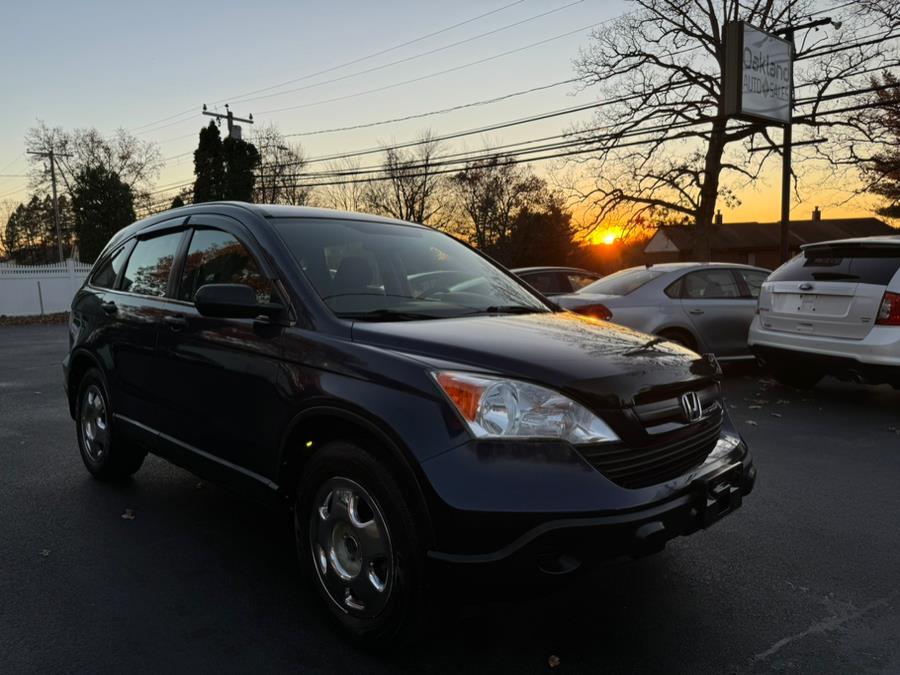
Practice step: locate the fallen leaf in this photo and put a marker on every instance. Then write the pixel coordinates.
(774, 414)
(45, 552)
(752, 423)
(754, 407)
(128, 515)
(553, 661)
(732, 406)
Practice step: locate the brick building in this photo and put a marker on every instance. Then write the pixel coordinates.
(756, 243)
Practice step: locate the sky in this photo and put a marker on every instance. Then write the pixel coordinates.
(149, 67)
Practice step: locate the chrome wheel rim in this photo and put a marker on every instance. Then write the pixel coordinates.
(351, 548)
(94, 424)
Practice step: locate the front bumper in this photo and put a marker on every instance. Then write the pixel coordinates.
(556, 543)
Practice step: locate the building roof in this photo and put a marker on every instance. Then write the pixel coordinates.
(756, 236)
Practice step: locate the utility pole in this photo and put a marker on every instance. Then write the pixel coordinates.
(51, 155)
(234, 131)
(788, 34)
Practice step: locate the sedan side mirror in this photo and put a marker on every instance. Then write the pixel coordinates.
(232, 301)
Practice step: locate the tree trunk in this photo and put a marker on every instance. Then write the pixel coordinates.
(709, 192)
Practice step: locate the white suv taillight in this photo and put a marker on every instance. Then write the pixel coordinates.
(889, 314)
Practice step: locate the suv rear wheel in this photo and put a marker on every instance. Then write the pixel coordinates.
(358, 542)
(105, 455)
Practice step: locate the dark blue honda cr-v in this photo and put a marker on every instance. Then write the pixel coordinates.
(416, 405)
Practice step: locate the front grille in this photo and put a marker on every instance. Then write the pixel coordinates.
(662, 459)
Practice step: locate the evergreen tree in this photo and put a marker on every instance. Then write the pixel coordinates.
(241, 160)
(177, 203)
(103, 205)
(209, 166)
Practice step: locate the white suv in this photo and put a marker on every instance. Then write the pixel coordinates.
(832, 310)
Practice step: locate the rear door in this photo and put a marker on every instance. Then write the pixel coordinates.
(136, 308)
(829, 290)
(720, 311)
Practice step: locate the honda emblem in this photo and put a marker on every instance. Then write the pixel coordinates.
(691, 406)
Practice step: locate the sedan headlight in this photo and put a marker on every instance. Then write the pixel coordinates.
(495, 407)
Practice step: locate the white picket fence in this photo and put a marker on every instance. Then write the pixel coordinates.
(27, 290)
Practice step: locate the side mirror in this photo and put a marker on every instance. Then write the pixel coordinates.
(232, 301)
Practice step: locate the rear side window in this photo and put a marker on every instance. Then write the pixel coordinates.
(624, 282)
(866, 265)
(108, 272)
(216, 257)
(546, 282)
(579, 281)
(754, 280)
(709, 284)
(147, 272)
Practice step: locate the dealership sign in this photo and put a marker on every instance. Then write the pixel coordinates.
(758, 77)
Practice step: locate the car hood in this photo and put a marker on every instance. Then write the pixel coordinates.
(598, 362)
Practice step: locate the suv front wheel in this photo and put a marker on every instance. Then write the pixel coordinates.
(358, 542)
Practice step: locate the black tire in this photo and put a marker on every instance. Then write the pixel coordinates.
(386, 622)
(105, 455)
(680, 337)
(796, 377)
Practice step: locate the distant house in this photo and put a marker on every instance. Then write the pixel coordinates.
(758, 243)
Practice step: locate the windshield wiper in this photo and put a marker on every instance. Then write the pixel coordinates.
(509, 309)
(384, 314)
(644, 347)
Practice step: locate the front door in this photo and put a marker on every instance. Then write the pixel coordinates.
(222, 373)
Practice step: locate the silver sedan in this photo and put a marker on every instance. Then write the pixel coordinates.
(706, 307)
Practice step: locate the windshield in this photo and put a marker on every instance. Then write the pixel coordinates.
(388, 272)
(623, 282)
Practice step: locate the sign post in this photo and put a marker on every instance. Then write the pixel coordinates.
(758, 86)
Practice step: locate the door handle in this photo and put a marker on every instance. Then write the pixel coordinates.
(109, 307)
(695, 312)
(176, 323)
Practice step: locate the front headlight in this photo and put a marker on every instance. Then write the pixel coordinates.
(495, 407)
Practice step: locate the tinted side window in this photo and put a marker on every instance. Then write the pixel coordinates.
(754, 280)
(108, 272)
(216, 257)
(835, 263)
(546, 282)
(673, 290)
(709, 284)
(579, 281)
(147, 272)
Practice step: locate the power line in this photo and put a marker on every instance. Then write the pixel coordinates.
(344, 64)
(407, 59)
(373, 55)
(442, 111)
(437, 73)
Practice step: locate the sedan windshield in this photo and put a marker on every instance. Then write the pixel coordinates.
(372, 271)
(623, 282)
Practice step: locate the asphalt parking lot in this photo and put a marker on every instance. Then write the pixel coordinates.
(804, 578)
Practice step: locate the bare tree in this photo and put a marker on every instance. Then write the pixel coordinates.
(664, 149)
(137, 163)
(413, 188)
(491, 193)
(344, 193)
(280, 164)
